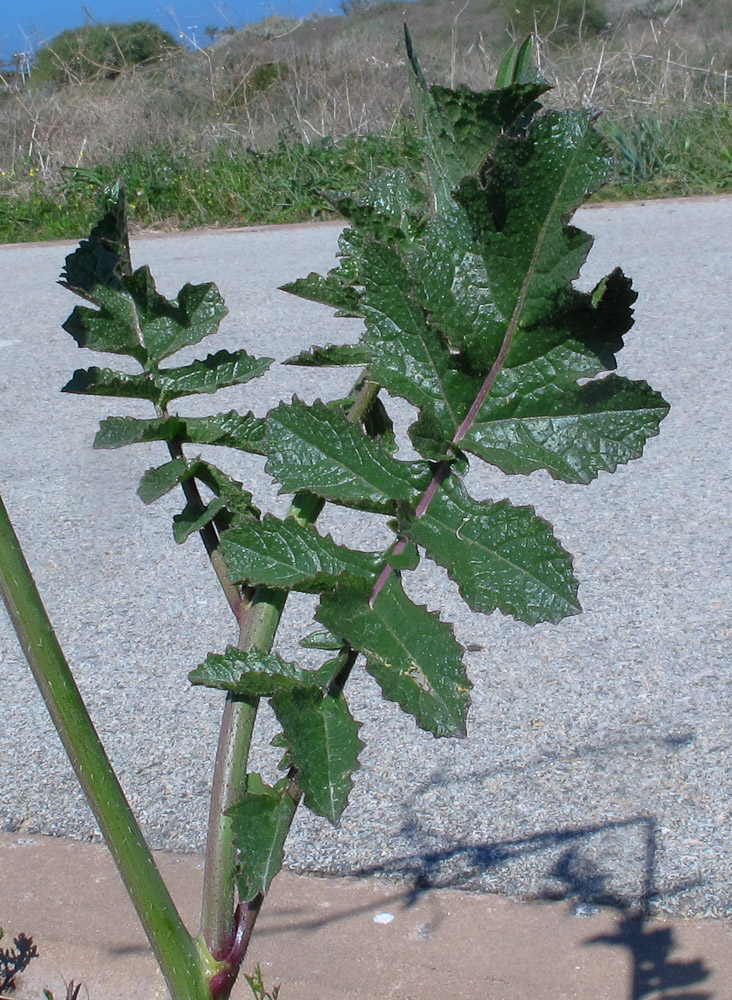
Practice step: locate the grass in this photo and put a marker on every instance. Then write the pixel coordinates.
(261, 127)
(165, 190)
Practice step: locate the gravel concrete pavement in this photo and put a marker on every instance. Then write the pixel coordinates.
(597, 761)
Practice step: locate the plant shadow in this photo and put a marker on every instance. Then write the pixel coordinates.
(654, 972)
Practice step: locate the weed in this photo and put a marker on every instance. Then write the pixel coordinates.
(256, 985)
(464, 280)
(15, 960)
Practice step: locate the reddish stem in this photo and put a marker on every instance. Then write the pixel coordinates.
(245, 916)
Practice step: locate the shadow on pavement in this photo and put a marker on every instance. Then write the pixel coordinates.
(655, 974)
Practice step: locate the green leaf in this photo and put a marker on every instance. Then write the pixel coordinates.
(167, 325)
(392, 194)
(113, 328)
(516, 65)
(103, 259)
(378, 424)
(453, 285)
(412, 654)
(194, 517)
(332, 355)
(403, 558)
(408, 356)
(231, 430)
(460, 127)
(581, 340)
(316, 448)
(573, 433)
(230, 503)
(322, 639)
(105, 382)
(322, 737)
(260, 824)
(500, 556)
(531, 255)
(155, 483)
(133, 318)
(239, 502)
(286, 554)
(252, 673)
(214, 372)
(330, 291)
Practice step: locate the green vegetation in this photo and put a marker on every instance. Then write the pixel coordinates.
(463, 275)
(562, 21)
(99, 51)
(264, 123)
(290, 183)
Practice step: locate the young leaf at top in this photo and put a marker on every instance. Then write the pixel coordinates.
(516, 65)
(103, 259)
(459, 127)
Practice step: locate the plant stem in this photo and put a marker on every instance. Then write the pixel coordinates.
(258, 613)
(259, 620)
(174, 948)
(229, 783)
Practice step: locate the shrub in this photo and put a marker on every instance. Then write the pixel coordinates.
(100, 51)
(562, 20)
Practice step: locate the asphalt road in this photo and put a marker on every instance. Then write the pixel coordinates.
(598, 756)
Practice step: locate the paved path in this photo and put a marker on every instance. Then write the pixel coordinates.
(599, 749)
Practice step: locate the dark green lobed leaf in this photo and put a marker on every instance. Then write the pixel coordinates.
(106, 382)
(460, 127)
(500, 556)
(103, 259)
(287, 554)
(155, 483)
(210, 374)
(253, 673)
(316, 448)
(412, 654)
(194, 517)
(332, 355)
(572, 432)
(260, 824)
(453, 284)
(322, 639)
(323, 741)
(167, 325)
(408, 356)
(231, 430)
(534, 185)
(330, 291)
(113, 328)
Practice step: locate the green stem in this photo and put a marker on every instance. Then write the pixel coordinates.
(175, 950)
(258, 613)
(229, 783)
(259, 621)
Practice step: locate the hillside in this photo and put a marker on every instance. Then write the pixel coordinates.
(276, 96)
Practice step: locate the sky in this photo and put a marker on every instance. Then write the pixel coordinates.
(25, 24)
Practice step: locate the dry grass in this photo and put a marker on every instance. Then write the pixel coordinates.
(342, 76)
